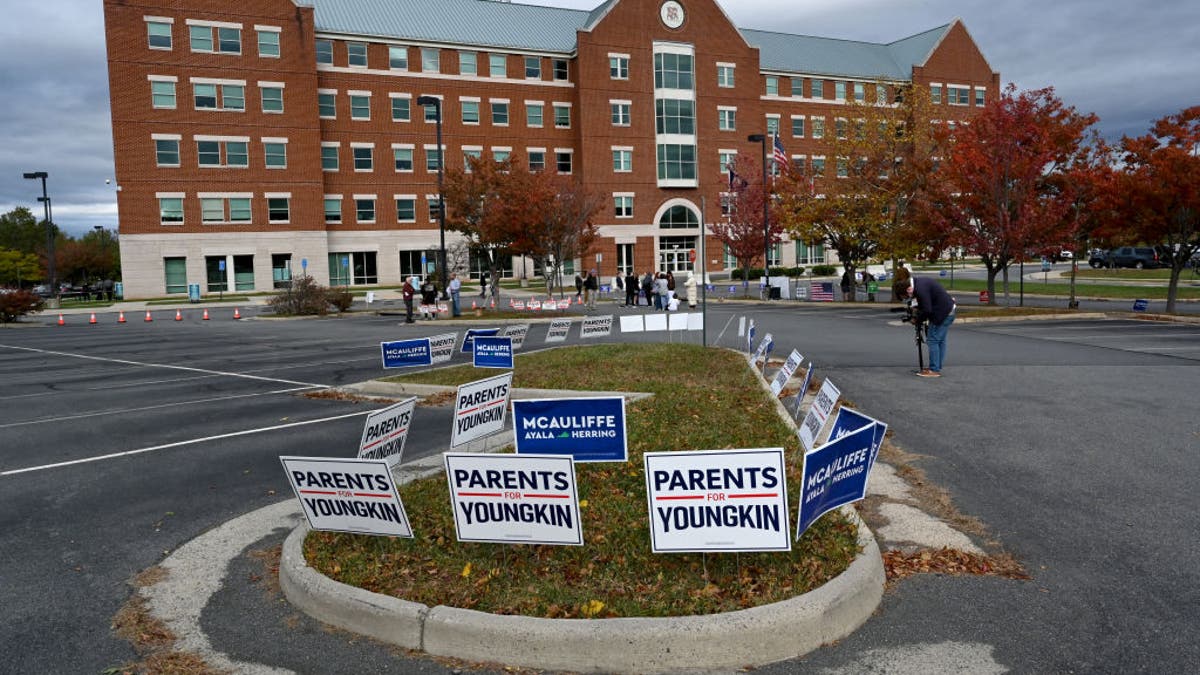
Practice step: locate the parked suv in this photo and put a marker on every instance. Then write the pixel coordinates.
(1138, 257)
(1098, 258)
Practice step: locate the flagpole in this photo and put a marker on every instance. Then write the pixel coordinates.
(703, 281)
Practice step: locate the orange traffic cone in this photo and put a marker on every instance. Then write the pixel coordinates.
(178, 315)
(61, 320)
(473, 305)
(148, 317)
(93, 319)
(121, 317)
(236, 313)
(493, 304)
(206, 314)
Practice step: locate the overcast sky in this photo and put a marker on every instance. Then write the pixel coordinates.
(1128, 62)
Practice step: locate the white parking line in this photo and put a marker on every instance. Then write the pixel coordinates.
(127, 453)
(162, 365)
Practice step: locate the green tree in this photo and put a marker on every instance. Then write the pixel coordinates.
(21, 231)
(17, 268)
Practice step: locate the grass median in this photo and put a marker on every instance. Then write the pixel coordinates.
(703, 399)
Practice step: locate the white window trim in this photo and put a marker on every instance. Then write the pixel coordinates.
(222, 139)
(170, 195)
(166, 137)
(398, 94)
(362, 145)
(277, 195)
(162, 78)
(403, 146)
(225, 195)
(157, 19)
(396, 198)
(212, 24)
(217, 81)
(358, 92)
(268, 29)
(271, 139)
(272, 85)
(357, 197)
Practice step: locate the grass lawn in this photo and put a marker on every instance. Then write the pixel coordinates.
(704, 399)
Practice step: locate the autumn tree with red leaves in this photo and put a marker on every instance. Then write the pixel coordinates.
(562, 228)
(1000, 198)
(742, 231)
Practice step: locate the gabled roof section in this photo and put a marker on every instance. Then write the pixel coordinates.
(845, 58)
(470, 22)
(599, 13)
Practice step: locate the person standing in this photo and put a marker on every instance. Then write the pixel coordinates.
(483, 282)
(591, 288)
(847, 284)
(689, 287)
(455, 289)
(408, 291)
(578, 286)
(648, 287)
(933, 304)
(631, 289)
(662, 293)
(428, 298)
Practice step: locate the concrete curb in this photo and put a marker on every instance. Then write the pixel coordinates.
(749, 637)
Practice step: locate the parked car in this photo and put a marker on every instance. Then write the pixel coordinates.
(1137, 257)
(1098, 258)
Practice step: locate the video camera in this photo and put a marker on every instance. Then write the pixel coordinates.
(910, 313)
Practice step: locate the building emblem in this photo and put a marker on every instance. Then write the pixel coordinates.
(671, 14)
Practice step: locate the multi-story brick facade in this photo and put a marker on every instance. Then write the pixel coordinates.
(252, 137)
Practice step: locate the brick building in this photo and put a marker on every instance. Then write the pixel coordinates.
(252, 137)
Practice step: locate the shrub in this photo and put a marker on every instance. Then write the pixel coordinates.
(304, 297)
(824, 270)
(340, 298)
(16, 304)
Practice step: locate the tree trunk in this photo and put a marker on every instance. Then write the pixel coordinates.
(1173, 286)
(991, 283)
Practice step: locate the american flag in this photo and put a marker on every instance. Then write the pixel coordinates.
(736, 182)
(822, 291)
(780, 155)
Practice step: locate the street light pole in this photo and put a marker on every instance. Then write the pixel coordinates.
(437, 109)
(45, 200)
(762, 140)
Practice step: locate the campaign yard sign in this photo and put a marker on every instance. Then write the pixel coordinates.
(441, 347)
(348, 495)
(834, 474)
(848, 420)
(717, 500)
(517, 333)
(558, 331)
(750, 337)
(596, 326)
(406, 353)
(514, 499)
(587, 429)
(768, 342)
(480, 408)
(472, 333)
(804, 388)
(785, 373)
(385, 431)
(818, 413)
(492, 351)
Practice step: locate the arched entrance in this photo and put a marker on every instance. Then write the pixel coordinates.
(678, 222)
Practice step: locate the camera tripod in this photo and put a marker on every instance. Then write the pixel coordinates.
(921, 329)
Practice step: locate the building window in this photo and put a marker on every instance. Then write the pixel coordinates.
(166, 152)
(401, 109)
(204, 96)
(818, 88)
(162, 94)
(468, 155)
(818, 166)
(979, 96)
(726, 158)
(406, 209)
(403, 158)
(618, 67)
(673, 71)
(810, 255)
(360, 107)
(281, 270)
(170, 210)
(727, 119)
(959, 95)
(533, 114)
(798, 127)
(843, 167)
(562, 161)
(625, 258)
(276, 155)
(501, 155)
(622, 160)
(623, 206)
(364, 210)
(200, 38)
(860, 92)
(356, 54)
(278, 209)
(227, 40)
(432, 207)
(470, 112)
(329, 158)
(363, 158)
(431, 60)
(675, 116)
(561, 71)
(773, 125)
(839, 128)
(333, 209)
(209, 153)
(233, 96)
(620, 113)
(175, 275)
(397, 57)
(239, 210)
(498, 65)
(272, 99)
(679, 218)
(268, 43)
(357, 268)
(935, 93)
(881, 96)
(798, 87)
(839, 91)
(468, 63)
(562, 116)
(676, 162)
(772, 85)
(818, 127)
(243, 272)
(433, 158)
(327, 105)
(158, 34)
(533, 67)
(212, 210)
(500, 113)
(432, 112)
(537, 160)
(325, 52)
(725, 75)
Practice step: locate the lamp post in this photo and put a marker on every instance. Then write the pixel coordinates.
(761, 139)
(45, 200)
(437, 109)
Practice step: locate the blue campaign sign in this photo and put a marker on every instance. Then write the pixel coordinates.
(804, 389)
(834, 474)
(470, 338)
(304, 264)
(848, 420)
(406, 353)
(492, 351)
(588, 429)
(1141, 305)
(221, 265)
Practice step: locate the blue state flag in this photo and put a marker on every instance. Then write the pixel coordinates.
(588, 429)
(492, 351)
(406, 353)
(471, 333)
(834, 474)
